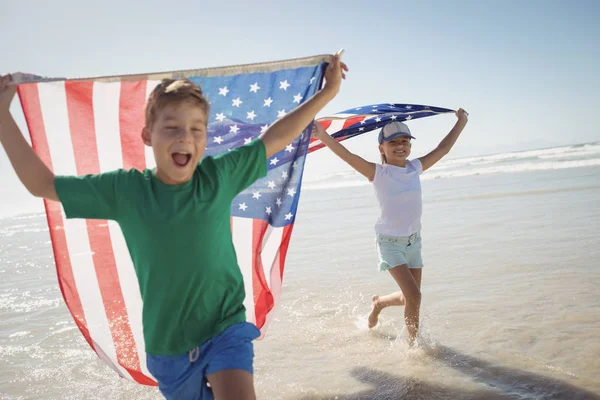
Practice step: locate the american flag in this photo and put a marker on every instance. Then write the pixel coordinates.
(359, 120)
(89, 126)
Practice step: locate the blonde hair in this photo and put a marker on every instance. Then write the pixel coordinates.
(170, 91)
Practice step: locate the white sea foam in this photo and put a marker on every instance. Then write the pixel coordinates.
(575, 156)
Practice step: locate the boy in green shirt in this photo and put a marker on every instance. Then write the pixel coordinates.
(176, 222)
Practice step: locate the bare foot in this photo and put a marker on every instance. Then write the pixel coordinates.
(373, 317)
(411, 342)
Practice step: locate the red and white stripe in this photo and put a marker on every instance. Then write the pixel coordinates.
(88, 127)
(333, 125)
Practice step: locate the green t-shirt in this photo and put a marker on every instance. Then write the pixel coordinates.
(179, 238)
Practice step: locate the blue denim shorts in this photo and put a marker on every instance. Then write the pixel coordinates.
(183, 377)
(398, 250)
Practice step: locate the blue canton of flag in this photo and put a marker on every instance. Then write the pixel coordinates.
(244, 106)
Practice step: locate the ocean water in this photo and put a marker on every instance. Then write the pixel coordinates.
(511, 298)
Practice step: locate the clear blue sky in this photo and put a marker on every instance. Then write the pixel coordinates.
(525, 70)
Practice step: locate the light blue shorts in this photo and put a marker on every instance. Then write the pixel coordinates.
(183, 377)
(398, 250)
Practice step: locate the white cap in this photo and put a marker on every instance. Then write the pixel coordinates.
(393, 130)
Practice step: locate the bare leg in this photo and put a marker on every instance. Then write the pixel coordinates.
(232, 384)
(409, 281)
(396, 298)
(417, 273)
(412, 294)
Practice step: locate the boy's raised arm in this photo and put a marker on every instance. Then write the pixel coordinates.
(284, 130)
(30, 169)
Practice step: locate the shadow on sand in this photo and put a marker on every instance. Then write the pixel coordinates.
(497, 382)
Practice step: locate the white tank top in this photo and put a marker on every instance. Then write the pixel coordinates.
(399, 194)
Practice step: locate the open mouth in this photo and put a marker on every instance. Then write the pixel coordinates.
(181, 159)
